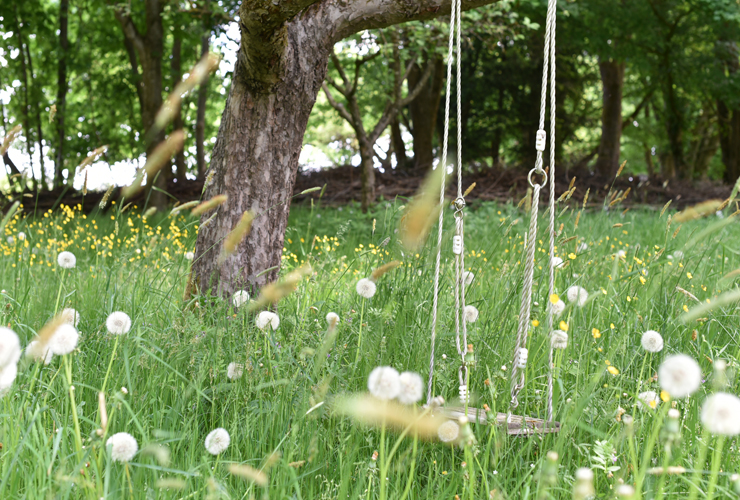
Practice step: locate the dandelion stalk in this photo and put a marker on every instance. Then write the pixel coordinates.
(716, 462)
(699, 465)
(648, 452)
(59, 292)
(68, 371)
(359, 338)
(110, 363)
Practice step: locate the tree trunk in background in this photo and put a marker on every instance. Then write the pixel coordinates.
(367, 174)
(177, 123)
(612, 79)
(424, 110)
(676, 165)
(62, 88)
(397, 145)
(26, 104)
(37, 97)
(200, 121)
(149, 48)
(729, 116)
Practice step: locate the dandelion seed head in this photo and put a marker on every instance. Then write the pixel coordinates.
(468, 277)
(411, 388)
(470, 314)
(240, 298)
(577, 295)
(266, 318)
(365, 288)
(66, 260)
(448, 431)
(557, 307)
(678, 255)
(21, 235)
(625, 491)
(648, 400)
(720, 414)
(118, 323)
(123, 447)
(557, 262)
(652, 341)
(559, 339)
(33, 350)
(70, 316)
(384, 383)
(235, 371)
(7, 377)
(64, 340)
(217, 441)
(679, 375)
(189, 255)
(10, 347)
(333, 319)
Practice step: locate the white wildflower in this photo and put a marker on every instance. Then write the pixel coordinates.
(679, 375)
(10, 347)
(365, 288)
(577, 295)
(33, 350)
(235, 371)
(123, 447)
(333, 319)
(448, 431)
(557, 262)
(559, 339)
(470, 314)
(217, 441)
(240, 298)
(648, 400)
(64, 340)
(118, 323)
(652, 341)
(66, 260)
(267, 318)
(720, 414)
(411, 388)
(468, 277)
(71, 316)
(384, 383)
(189, 255)
(558, 307)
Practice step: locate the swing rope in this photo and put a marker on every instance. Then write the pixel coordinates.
(521, 354)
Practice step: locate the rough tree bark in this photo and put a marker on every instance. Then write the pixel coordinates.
(612, 79)
(62, 88)
(285, 49)
(423, 111)
(146, 50)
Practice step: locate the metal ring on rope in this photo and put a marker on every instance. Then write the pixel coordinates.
(541, 172)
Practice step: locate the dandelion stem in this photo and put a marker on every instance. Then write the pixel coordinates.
(59, 292)
(383, 460)
(359, 338)
(110, 363)
(410, 480)
(699, 465)
(716, 462)
(78, 435)
(648, 451)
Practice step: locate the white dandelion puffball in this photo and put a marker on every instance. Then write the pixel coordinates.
(468, 277)
(70, 316)
(448, 431)
(33, 350)
(720, 414)
(679, 375)
(559, 339)
(648, 400)
(235, 371)
(217, 441)
(582, 247)
(118, 323)
(652, 341)
(66, 260)
(123, 447)
(266, 318)
(189, 255)
(621, 254)
(557, 262)
(678, 255)
(384, 383)
(7, 377)
(625, 491)
(558, 307)
(240, 298)
(332, 318)
(10, 240)
(470, 314)
(10, 347)
(412, 387)
(64, 340)
(577, 295)
(365, 288)
(21, 235)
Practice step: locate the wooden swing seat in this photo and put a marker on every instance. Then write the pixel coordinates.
(519, 426)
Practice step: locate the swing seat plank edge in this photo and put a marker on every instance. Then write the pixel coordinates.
(519, 426)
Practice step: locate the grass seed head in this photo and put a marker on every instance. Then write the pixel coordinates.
(214, 202)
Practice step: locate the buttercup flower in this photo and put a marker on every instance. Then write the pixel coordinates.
(577, 295)
(267, 318)
(720, 414)
(66, 260)
(384, 382)
(235, 371)
(448, 431)
(123, 447)
(679, 375)
(365, 288)
(470, 314)
(411, 387)
(217, 441)
(240, 298)
(652, 341)
(64, 340)
(118, 323)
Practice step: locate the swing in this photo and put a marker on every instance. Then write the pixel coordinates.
(515, 424)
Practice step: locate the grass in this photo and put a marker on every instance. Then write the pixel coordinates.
(173, 362)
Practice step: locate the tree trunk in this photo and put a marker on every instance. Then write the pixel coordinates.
(397, 145)
(26, 104)
(729, 140)
(62, 88)
(367, 174)
(37, 97)
(612, 79)
(674, 127)
(424, 110)
(177, 123)
(200, 120)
